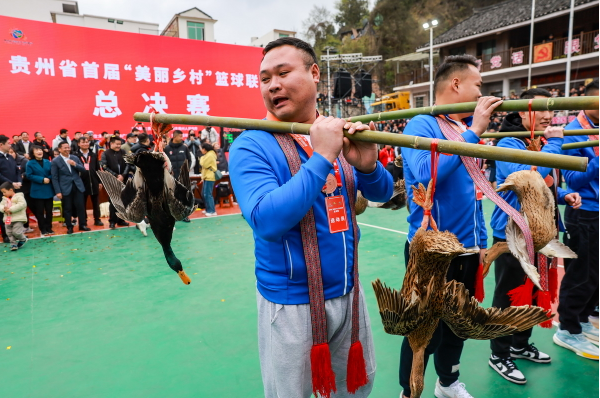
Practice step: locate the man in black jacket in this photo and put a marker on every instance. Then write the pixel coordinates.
(90, 177)
(23, 146)
(143, 144)
(113, 161)
(178, 152)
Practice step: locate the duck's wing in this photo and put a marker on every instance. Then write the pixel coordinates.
(555, 248)
(399, 316)
(180, 198)
(129, 199)
(470, 321)
(517, 246)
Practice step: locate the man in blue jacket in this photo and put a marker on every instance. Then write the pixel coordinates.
(456, 206)
(278, 205)
(508, 270)
(578, 297)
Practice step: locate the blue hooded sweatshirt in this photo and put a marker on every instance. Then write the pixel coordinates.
(512, 122)
(455, 207)
(273, 203)
(584, 182)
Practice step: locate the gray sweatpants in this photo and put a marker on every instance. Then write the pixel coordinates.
(14, 230)
(285, 340)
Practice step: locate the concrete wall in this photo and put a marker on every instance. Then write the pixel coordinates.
(37, 10)
(269, 37)
(92, 21)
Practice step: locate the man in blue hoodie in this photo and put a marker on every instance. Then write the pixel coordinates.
(578, 295)
(508, 270)
(277, 205)
(457, 207)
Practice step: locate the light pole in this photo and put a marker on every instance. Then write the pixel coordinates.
(531, 44)
(328, 81)
(570, 50)
(430, 26)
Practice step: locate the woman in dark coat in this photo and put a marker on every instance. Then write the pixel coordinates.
(38, 171)
(90, 177)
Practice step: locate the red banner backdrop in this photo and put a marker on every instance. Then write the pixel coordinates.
(58, 76)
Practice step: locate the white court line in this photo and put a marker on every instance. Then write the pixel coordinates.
(385, 229)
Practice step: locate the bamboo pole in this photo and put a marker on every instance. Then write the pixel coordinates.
(540, 104)
(402, 140)
(583, 144)
(538, 133)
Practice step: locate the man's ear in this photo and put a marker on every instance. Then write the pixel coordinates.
(455, 84)
(315, 72)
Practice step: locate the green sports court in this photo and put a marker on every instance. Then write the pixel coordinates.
(100, 314)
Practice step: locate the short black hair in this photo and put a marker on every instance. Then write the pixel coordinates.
(591, 86)
(177, 132)
(533, 92)
(7, 185)
(63, 131)
(24, 132)
(143, 137)
(114, 138)
(63, 143)
(207, 147)
(310, 57)
(31, 148)
(452, 64)
(3, 139)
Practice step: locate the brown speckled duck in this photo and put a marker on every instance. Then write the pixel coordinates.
(426, 297)
(396, 202)
(537, 206)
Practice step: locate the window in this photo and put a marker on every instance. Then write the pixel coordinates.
(195, 30)
(486, 47)
(283, 35)
(70, 8)
(419, 101)
(458, 50)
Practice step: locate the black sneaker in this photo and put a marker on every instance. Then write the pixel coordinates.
(531, 353)
(507, 369)
(21, 243)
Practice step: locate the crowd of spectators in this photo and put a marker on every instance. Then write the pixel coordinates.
(36, 174)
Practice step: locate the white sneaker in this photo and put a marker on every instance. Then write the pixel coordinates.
(211, 214)
(142, 227)
(203, 211)
(455, 390)
(576, 343)
(590, 332)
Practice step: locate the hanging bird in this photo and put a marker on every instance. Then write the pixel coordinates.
(397, 201)
(154, 192)
(537, 207)
(426, 297)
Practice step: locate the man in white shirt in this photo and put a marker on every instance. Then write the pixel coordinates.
(210, 135)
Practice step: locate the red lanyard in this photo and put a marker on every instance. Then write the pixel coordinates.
(303, 142)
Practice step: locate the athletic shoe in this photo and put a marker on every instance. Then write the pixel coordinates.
(142, 227)
(50, 232)
(14, 248)
(576, 343)
(28, 231)
(21, 243)
(507, 369)
(455, 390)
(203, 211)
(211, 214)
(590, 332)
(530, 352)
